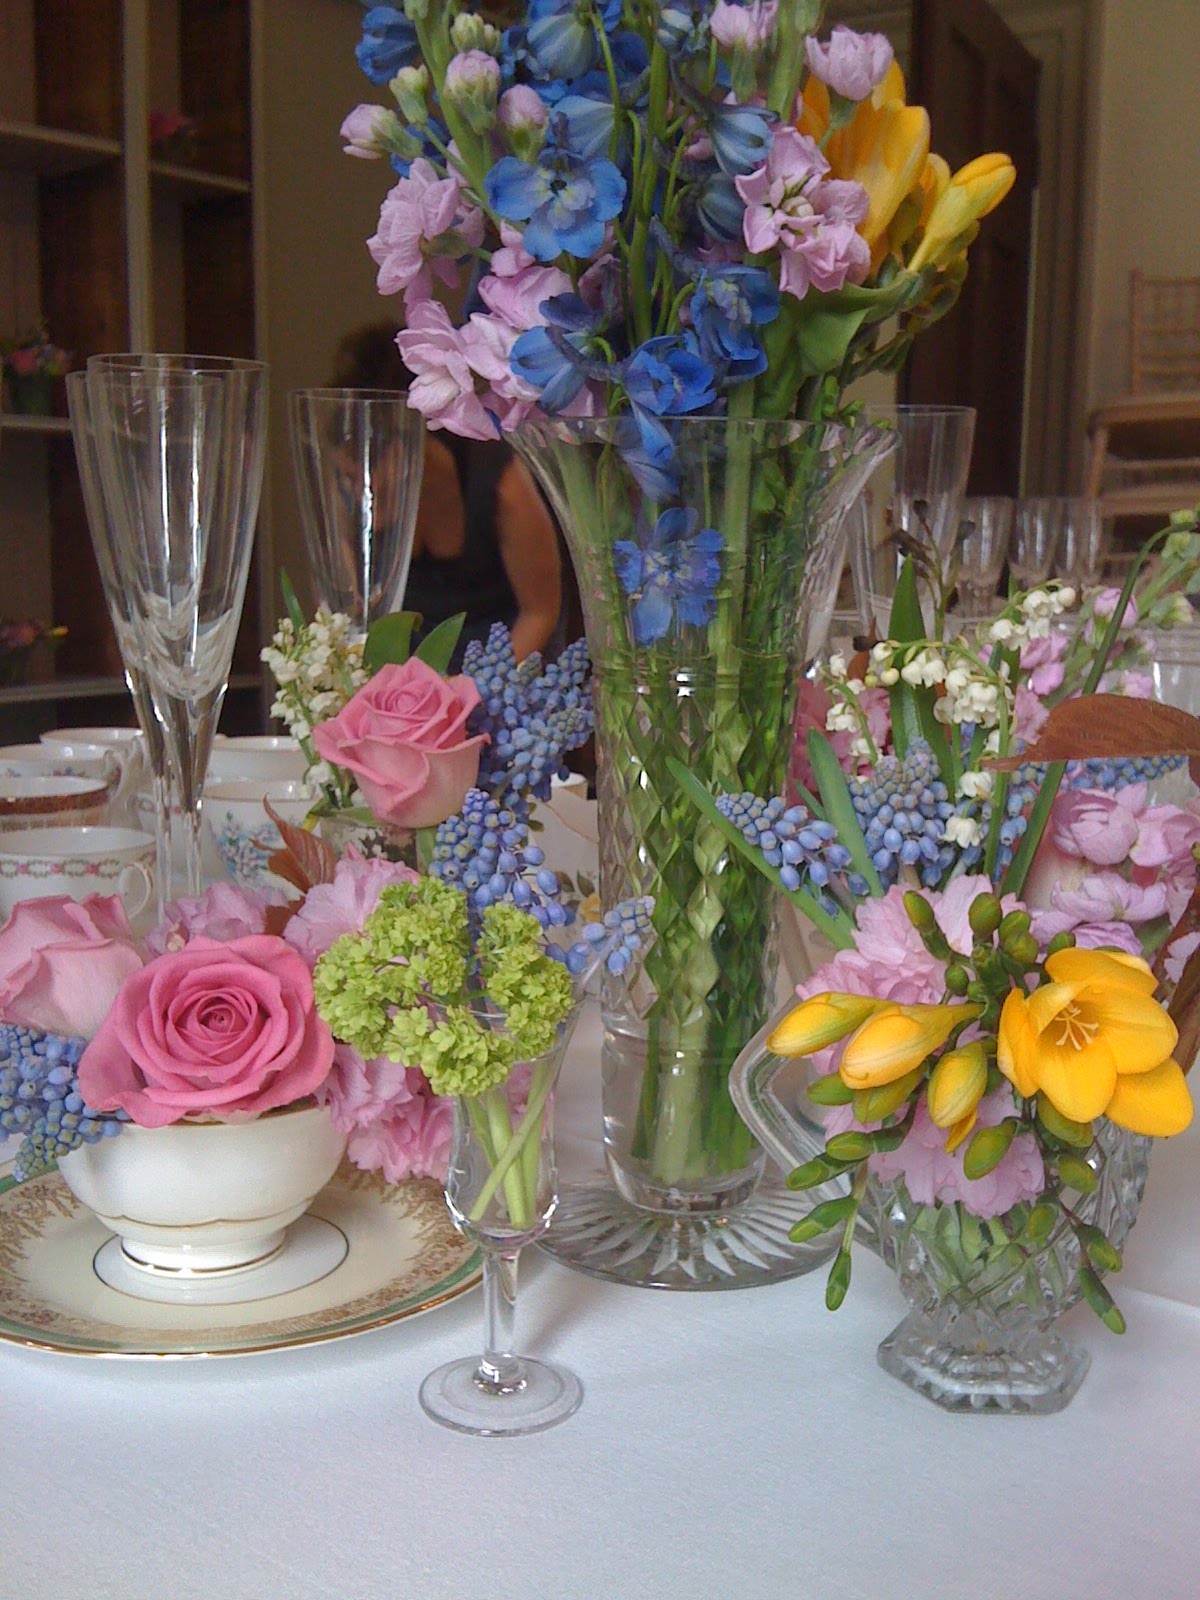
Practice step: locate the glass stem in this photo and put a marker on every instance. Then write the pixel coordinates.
(499, 1370)
(164, 801)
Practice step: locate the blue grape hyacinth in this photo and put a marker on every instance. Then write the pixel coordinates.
(902, 807)
(804, 851)
(40, 1099)
(485, 850)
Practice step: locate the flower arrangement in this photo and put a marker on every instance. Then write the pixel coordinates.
(30, 364)
(972, 839)
(18, 641)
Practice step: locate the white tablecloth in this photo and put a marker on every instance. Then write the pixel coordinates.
(737, 1446)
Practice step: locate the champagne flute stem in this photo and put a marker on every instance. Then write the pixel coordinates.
(164, 800)
(499, 1370)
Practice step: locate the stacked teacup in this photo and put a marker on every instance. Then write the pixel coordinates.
(244, 775)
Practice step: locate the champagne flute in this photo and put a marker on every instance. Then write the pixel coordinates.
(180, 444)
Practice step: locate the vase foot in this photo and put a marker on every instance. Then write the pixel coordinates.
(1038, 1375)
(595, 1230)
(546, 1396)
(311, 1249)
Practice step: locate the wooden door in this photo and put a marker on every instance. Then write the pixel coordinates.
(980, 86)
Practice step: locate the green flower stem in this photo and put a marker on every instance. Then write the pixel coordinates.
(520, 1144)
(494, 1105)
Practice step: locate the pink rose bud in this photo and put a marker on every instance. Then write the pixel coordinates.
(749, 26)
(850, 63)
(365, 131)
(404, 739)
(219, 1030)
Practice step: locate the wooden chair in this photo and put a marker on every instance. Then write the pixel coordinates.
(1147, 444)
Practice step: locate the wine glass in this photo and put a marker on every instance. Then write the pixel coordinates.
(359, 455)
(117, 599)
(912, 507)
(1082, 544)
(1036, 530)
(502, 1189)
(180, 442)
(986, 532)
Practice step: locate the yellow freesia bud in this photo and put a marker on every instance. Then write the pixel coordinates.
(897, 1040)
(972, 192)
(956, 1085)
(935, 180)
(819, 1022)
(1093, 1040)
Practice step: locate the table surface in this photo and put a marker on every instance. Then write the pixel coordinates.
(742, 1445)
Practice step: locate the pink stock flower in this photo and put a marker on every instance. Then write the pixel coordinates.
(443, 387)
(1097, 826)
(1104, 605)
(1042, 662)
(515, 295)
(221, 1030)
(418, 212)
(363, 132)
(520, 108)
(850, 63)
(1102, 897)
(1178, 955)
(223, 912)
(811, 219)
(394, 1119)
(63, 961)
(1133, 685)
(404, 737)
(1029, 714)
(932, 1177)
(1166, 836)
(343, 906)
(750, 26)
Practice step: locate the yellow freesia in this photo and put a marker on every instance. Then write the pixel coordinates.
(956, 1085)
(884, 147)
(897, 1040)
(971, 193)
(1095, 1042)
(819, 1022)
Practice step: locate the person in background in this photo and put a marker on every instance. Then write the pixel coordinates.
(485, 542)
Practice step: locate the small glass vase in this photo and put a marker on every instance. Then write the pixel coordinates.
(980, 1335)
(702, 597)
(502, 1188)
(375, 840)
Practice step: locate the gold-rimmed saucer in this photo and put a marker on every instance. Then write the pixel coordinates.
(403, 1257)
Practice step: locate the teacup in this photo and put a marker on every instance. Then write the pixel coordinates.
(62, 760)
(50, 799)
(126, 745)
(272, 758)
(76, 862)
(244, 834)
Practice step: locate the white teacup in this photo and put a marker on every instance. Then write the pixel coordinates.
(244, 834)
(271, 758)
(127, 747)
(64, 760)
(77, 862)
(49, 799)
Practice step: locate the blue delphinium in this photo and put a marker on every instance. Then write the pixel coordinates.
(673, 577)
(741, 138)
(729, 303)
(553, 359)
(804, 851)
(561, 37)
(718, 208)
(564, 200)
(668, 377)
(389, 42)
(683, 26)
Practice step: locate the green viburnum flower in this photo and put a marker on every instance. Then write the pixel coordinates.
(372, 988)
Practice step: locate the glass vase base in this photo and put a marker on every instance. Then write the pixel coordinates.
(1038, 1375)
(453, 1396)
(597, 1231)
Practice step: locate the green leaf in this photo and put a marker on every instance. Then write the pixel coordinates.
(912, 709)
(290, 601)
(838, 806)
(907, 623)
(389, 640)
(836, 929)
(437, 647)
(823, 337)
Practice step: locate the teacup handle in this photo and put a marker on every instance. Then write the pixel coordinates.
(136, 877)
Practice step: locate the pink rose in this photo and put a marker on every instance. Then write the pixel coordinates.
(220, 1030)
(332, 909)
(63, 961)
(403, 736)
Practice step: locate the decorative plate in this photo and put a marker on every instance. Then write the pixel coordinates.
(402, 1257)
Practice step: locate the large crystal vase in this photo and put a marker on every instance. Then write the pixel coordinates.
(708, 553)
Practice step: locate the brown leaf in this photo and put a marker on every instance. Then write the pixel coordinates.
(304, 860)
(1109, 726)
(1185, 1011)
(278, 917)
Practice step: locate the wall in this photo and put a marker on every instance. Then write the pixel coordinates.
(1147, 174)
(318, 208)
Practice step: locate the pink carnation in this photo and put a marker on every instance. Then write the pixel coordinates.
(343, 906)
(417, 213)
(792, 207)
(931, 1176)
(394, 1120)
(223, 912)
